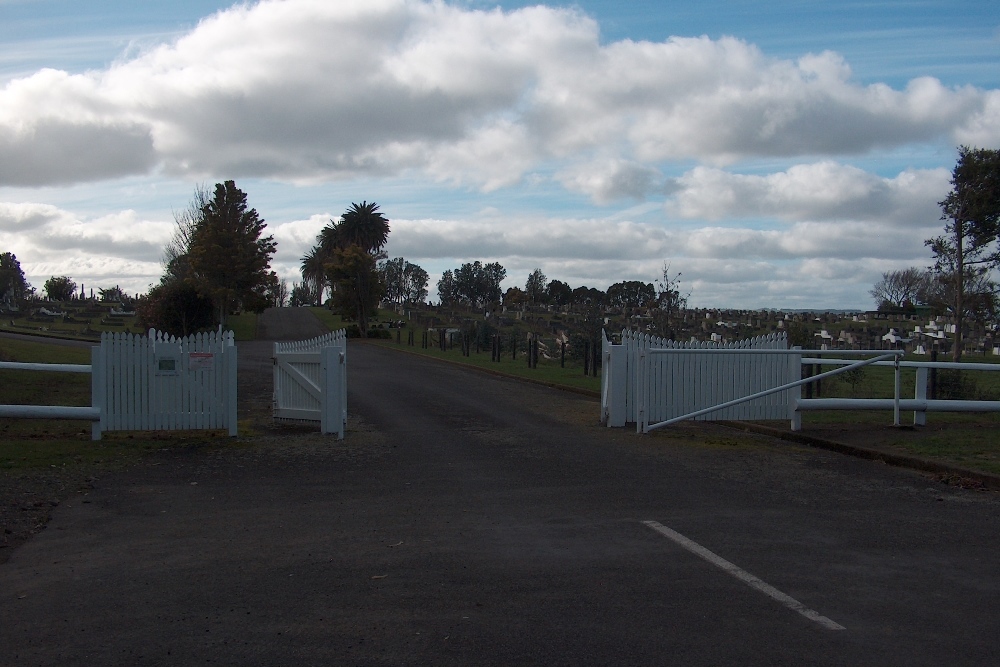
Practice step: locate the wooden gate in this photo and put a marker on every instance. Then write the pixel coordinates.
(310, 382)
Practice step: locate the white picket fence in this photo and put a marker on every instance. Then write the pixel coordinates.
(644, 387)
(154, 382)
(159, 382)
(310, 381)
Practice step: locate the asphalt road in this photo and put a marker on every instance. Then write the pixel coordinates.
(468, 519)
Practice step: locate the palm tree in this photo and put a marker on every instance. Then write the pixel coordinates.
(314, 271)
(361, 225)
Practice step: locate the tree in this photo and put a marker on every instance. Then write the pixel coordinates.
(534, 288)
(588, 296)
(302, 295)
(277, 292)
(972, 214)
(314, 273)
(670, 302)
(559, 293)
(446, 289)
(404, 281)
(13, 286)
(358, 287)
(229, 259)
(361, 225)
(60, 288)
(473, 284)
(175, 253)
(900, 289)
(112, 295)
(176, 307)
(416, 279)
(515, 297)
(631, 294)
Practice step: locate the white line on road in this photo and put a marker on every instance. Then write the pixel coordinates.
(744, 576)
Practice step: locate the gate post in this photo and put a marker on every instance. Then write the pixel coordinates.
(229, 355)
(331, 414)
(794, 394)
(614, 379)
(920, 393)
(97, 389)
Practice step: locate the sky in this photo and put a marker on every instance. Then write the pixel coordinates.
(775, 154)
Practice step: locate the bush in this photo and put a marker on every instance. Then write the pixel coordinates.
(353, 331)
(957, 385)
(382, 334)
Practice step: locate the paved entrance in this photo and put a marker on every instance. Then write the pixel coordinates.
(468, 519)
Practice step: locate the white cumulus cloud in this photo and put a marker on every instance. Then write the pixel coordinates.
(311, 90)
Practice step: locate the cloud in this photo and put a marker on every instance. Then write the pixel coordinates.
(819, 191)
(117, 249)
(609, 180)
(311, 91)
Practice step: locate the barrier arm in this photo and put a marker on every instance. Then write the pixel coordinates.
(646, 428)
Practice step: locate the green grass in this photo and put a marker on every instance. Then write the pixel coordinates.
(244, 326)
(878, 381)
(331, 320)
(75, 324)
(548, 371)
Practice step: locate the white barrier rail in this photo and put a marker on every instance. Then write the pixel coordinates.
(90, 413)
(920, 404)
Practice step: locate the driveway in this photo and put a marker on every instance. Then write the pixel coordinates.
(468, 519)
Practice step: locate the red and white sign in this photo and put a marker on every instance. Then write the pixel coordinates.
(201, 361)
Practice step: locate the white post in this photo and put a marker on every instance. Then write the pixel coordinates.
(96, 390)
(920, 393)
(330, 412)
(616, 385)
(229, 354)
(895, 405)
(794, 373)
(640, 390)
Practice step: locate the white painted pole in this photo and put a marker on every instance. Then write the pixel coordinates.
(920, 394)
(895, 407)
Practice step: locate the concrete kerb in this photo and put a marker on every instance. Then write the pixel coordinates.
(947, 471)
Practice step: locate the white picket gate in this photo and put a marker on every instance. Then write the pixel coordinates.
(158, 382)
(644, 388)
(310, 381)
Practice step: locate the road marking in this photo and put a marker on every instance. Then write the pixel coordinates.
(744, 576)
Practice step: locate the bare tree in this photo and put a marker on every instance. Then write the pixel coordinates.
(670, 301)
(175, 253)
(900, 289)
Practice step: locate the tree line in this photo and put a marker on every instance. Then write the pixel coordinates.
(15, 288)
